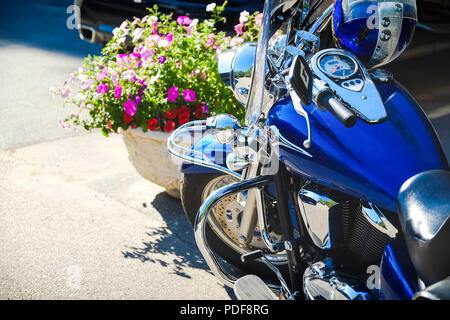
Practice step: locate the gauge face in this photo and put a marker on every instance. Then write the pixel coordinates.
(337, 66)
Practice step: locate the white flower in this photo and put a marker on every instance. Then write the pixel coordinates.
(152, 19)
(137, 34)
(210, 7)
(129, 74)
(163, 43)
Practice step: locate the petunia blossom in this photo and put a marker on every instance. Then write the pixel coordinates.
(189, 95)
(162, 59)
(243, 17)
(172, 95)
(184, 20)
(258, 19)
(169, 126)
(239, 29)
(129, 75)
(130, 107)
(127, 118)
(102, 88)
(87, 84)
(152, 124)
(210, 7)
(65, 92)
(118, 91)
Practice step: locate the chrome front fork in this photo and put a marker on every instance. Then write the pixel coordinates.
(201, 220)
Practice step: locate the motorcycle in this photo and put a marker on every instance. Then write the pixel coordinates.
(336, 188)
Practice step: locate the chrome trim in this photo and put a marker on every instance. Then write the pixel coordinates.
(90, 28)
(337, 54)
(273, 247)
(315, 211)
(194, 156)
(282, 141)
(376, 218)
(366, 103)
(320, 282)
(201, 219)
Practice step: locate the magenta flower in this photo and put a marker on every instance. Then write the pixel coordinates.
(130, 107)
(102, 88)
(172, 95)
(184, 21)
(189, 95)
(118, 91)
(162, 59)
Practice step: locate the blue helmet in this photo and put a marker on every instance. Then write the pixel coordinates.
(376, 31)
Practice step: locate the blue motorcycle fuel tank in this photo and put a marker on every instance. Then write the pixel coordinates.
(367, 161)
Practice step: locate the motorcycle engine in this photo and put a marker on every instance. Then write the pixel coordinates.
(353, 233)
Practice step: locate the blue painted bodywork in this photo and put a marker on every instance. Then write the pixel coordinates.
(367, 161)
(398, 278)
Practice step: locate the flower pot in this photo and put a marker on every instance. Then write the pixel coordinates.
(148, 154)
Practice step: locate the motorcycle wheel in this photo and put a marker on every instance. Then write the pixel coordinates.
(223, 223)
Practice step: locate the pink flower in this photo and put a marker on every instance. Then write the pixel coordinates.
(239, 29)
(102, 74)
(102, 88)
(65, 92)
(118, 91)
(87, 84)
(184, 20)
(172, 95)
(130, 107)
(210, 41)
(258, 19)
(189, 95)
(236, 41)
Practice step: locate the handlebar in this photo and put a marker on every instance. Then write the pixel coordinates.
(327, 100)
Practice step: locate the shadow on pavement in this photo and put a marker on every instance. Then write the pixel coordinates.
(177, 239)
(168, 239)
(44, 25)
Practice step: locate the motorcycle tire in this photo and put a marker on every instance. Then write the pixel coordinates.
(192, 186)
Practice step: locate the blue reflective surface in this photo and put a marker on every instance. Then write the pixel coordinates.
(367, 161)
(397, 274)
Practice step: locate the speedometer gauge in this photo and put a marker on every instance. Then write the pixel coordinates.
(337, 65)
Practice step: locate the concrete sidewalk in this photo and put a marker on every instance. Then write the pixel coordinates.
(78, 222)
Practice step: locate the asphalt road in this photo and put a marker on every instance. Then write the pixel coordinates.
(76, 220)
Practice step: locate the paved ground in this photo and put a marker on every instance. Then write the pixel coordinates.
(76, 220)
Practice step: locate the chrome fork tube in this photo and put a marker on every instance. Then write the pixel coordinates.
(200, 223)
